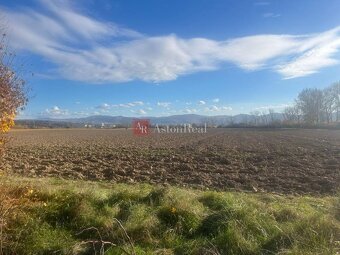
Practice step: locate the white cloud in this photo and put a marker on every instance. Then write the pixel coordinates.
(215, 108)
(190, 111)
(278, 107)
(132, 104)
(137, 103)
(55, 111)
(164, 104)
(85, 26)
(86, 49)
(201, 102)
(227, 108)
(104, 106)
(139, 111)
(129, 105)
(80, 113)
(216, 100)
(318, 53)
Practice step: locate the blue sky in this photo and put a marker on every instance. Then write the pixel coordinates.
(162, 57)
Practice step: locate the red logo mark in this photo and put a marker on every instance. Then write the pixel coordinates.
(140, 127)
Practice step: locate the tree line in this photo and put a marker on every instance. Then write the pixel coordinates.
(312, 107)
(315, 106)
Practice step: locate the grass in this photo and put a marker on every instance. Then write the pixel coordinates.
(53, 216)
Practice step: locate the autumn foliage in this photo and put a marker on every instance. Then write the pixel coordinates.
(12, 90)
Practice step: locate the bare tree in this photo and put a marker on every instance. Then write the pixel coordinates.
(289, 114)
(256, 115)
(297, 113)
(315, 106)
(328, 103)
(271, 113)
(335, 88)
(310, 103)
(264, 118)
(292, 114)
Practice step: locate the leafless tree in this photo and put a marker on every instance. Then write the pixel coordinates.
(289, 114)
(264, 118)
(328, 103)
(271, 114)
(335, 88)
(310, 103)
(292, 114)
(256, 115)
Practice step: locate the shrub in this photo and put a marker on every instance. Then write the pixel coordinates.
(12, 93)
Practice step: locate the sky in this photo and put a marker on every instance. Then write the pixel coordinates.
(169, 57)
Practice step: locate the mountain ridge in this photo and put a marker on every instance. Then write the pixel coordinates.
(164, 120)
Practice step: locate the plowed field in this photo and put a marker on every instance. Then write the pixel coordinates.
(281, 160)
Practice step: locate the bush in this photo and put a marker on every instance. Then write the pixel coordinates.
(12, 91)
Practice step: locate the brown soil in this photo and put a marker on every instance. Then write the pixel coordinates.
(282, 160)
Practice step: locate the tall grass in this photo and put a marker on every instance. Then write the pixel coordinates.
(50, 216)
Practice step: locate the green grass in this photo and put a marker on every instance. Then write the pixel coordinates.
(52, 216)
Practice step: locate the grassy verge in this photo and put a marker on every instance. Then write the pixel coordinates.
(50, 216)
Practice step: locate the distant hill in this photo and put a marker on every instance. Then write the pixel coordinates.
(172, 120)
(97, 120)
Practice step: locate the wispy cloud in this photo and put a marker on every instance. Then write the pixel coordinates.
(318, 53)
(215, 108)
(55, 112)
(105, 106)
(139, 112)
(87, 49)
(271, 15)
(164, 104)
(82, 25)
(135, 103)
(276, 107)
(190, 110)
